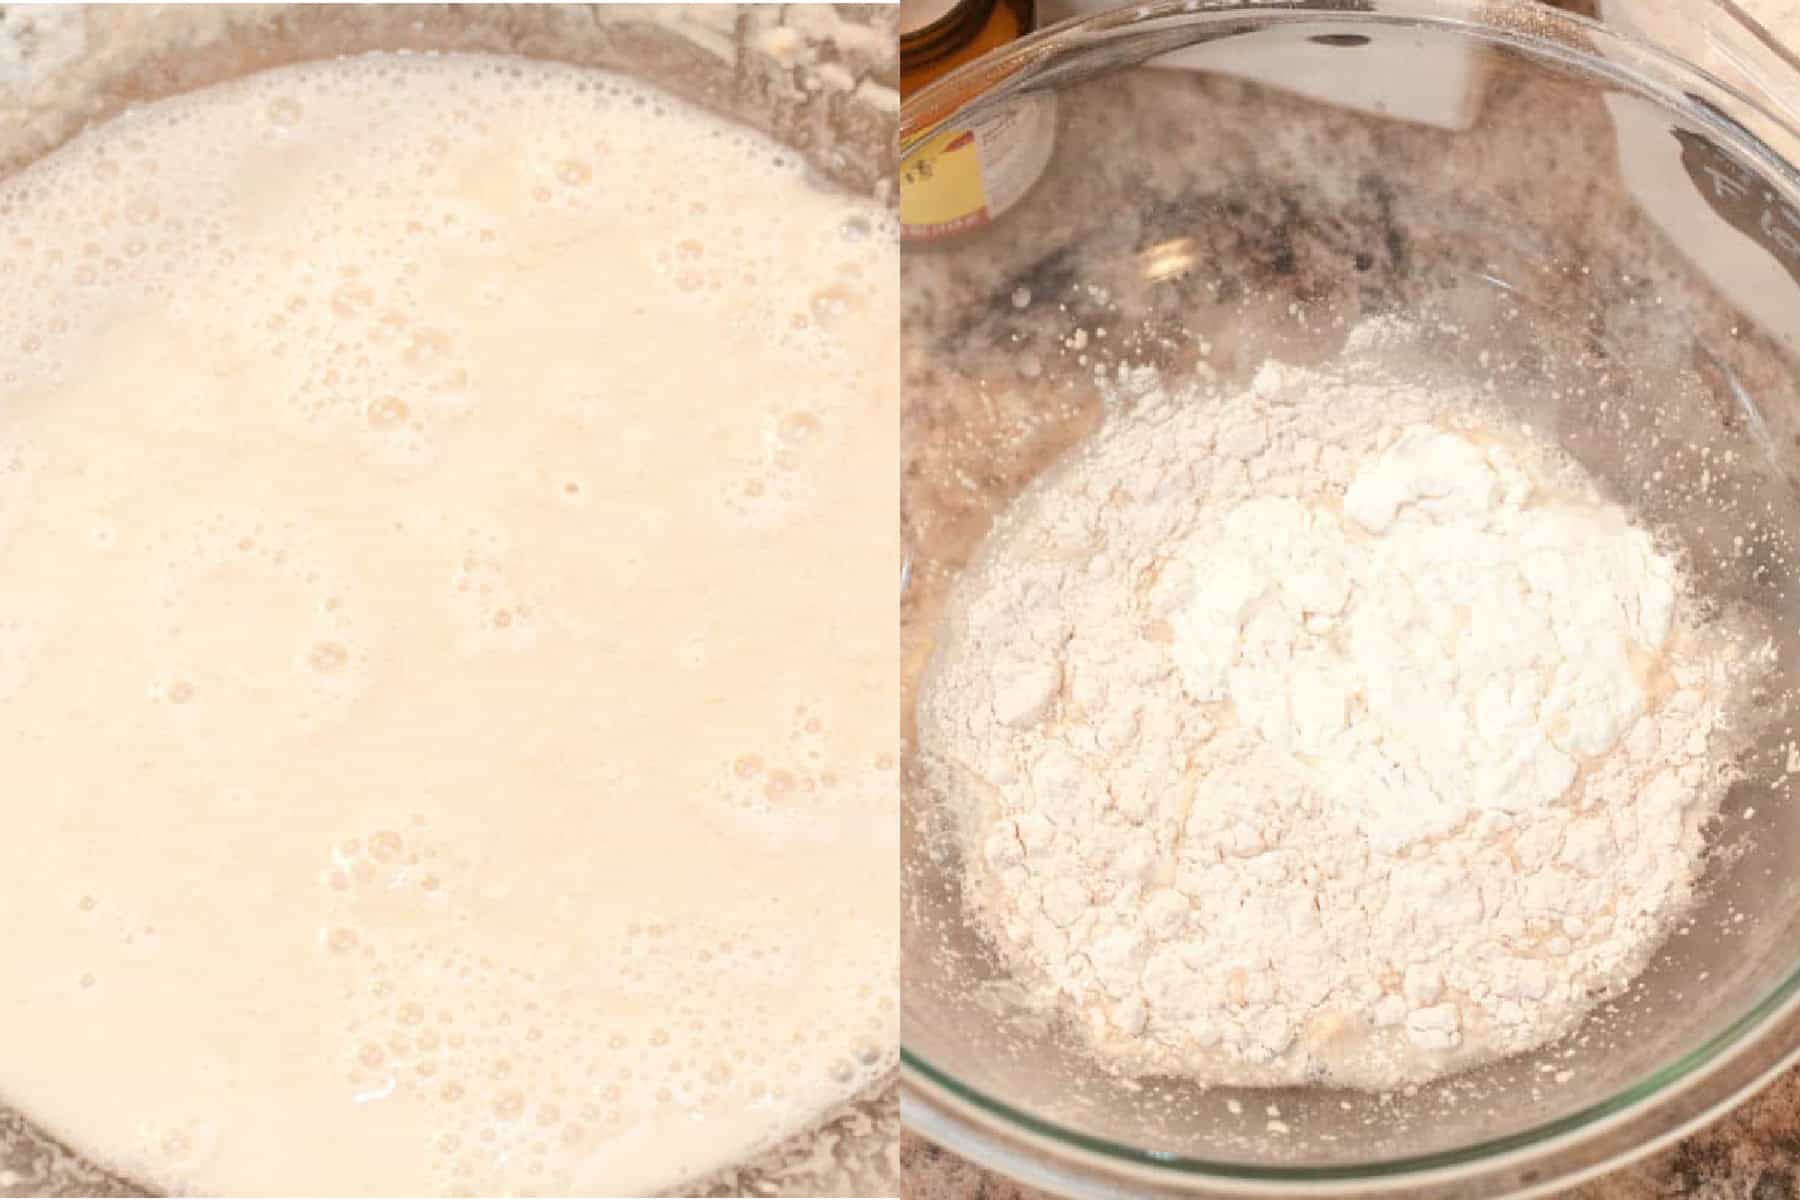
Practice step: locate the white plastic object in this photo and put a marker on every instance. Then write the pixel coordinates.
(1390, 76)
(1742, 235)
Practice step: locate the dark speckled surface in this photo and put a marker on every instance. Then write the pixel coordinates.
(1752, 1154)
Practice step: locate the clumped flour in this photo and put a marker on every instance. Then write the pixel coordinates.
(1326, 732)
(418, 481)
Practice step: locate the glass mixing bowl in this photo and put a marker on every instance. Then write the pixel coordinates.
(1549, 204)
(821, 80)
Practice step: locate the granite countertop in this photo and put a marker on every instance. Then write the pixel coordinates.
(1753, 1154)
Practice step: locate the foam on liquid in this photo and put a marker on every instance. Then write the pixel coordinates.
(446, 635)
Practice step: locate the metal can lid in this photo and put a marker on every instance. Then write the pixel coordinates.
(920, 14)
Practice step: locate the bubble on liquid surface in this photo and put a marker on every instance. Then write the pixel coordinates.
(328, 658)
(285, 111)
(387, 414)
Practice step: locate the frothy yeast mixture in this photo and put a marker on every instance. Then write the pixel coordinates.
(446, 635)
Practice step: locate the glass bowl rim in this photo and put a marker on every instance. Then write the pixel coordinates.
(1544, 34)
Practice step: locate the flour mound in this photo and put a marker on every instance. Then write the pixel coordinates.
(1327, 732)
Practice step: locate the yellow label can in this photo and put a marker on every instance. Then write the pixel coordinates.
(968, 174)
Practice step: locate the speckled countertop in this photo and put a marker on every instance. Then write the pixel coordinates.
(1754, 1154)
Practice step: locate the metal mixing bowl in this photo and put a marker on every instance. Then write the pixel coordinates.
(62, 69)
(1591, 221)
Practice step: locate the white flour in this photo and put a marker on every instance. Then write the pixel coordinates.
(1320, 733)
